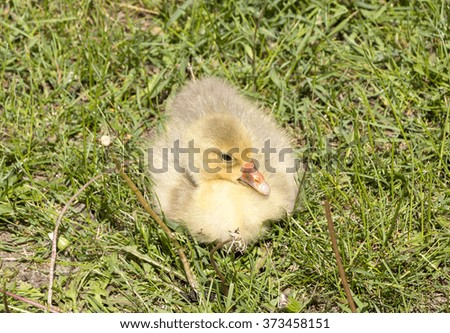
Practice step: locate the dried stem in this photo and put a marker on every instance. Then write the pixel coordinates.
(348, 293)
(187, 269)
(139, 9)
(216, 268)
(191, 72)
(52, 309)
(55, 238)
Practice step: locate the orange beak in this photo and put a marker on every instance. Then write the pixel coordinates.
(252, 177)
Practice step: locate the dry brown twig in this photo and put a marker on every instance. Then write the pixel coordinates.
(55, 238)
(213, 262)
(139, 9)
(190, 277)
(52, 309)
(334, 245)
(224, 287)
(187, 269)
(190, 69)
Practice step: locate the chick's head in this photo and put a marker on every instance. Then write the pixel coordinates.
(223, 150)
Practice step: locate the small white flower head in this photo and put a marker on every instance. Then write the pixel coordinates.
(105, 140)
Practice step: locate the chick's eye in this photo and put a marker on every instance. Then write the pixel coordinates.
(226, 157)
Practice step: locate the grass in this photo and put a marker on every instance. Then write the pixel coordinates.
(363, 87)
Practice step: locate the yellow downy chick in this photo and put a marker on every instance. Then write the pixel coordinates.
(223, 168)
